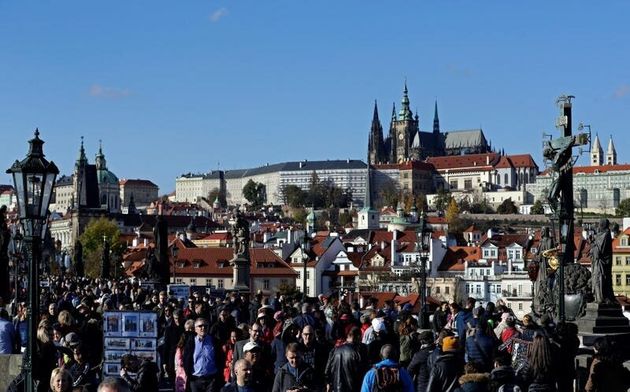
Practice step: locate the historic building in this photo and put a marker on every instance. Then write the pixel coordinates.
(621, 262)
(406, 142)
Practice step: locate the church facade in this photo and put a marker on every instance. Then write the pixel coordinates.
(406, 142)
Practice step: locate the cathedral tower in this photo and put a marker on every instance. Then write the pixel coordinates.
(611, 153)
(376, 144)
(597, 157)
(403, 130)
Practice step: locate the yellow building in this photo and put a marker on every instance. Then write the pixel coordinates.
(621, 263)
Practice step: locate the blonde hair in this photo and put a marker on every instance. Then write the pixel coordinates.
(65, 318)
(42, 331)
(189, 325)
(63, 373)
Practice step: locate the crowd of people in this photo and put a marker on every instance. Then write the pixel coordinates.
(242, 343)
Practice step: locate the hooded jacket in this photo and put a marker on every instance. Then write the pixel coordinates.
(474, 382)
(445, 373)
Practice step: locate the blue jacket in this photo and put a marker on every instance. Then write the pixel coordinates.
(480, 348)
(370, 377)
(7, 337)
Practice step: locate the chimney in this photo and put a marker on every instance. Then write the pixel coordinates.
(487, 159)
(382, 244)
(145, 242)
(490, 233)
(393, 254)
(289, 236)
(509, 266)
(134, 243)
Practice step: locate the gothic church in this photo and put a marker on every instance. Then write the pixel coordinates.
(406, 142)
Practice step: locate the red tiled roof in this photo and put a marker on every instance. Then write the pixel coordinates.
(436, 220)
(522, 160)
(218, 236)
(504, 163)
(417, 165)
(464, 161)
(125, 181)
(593, 169)
(617, 239)
(456, 255)
(471, 229)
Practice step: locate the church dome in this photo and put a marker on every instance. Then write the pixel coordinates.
(106, 177)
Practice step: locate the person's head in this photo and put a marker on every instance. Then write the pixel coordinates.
(528, 321)
(388, 352)
(255, 332)
(189, 326)
(450, 344)
(354, 335)
(426, 337)
(510, 321)
(223, 315)
(177, 316)
(44, 331)
(78, 353)
(455, 307)
(65, 318)
(306, 308)
(502, 360)
(251, 352)
(242, 371)
(293, 354)
(52, 309)
(444, 306)
(470, 303)
(472, 367)
(60, 380)
(163, 297)
(112, 384)
(308, 335)
(234, 336)
(201, 327)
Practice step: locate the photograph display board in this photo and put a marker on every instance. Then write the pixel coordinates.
(128, 332)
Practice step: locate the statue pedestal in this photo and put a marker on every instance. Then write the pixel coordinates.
(241, 266)
(603, 320)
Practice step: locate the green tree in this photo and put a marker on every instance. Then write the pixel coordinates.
(316, 197)
(255, 193)
(464, 204)
(92, 240)
(507, 207)
(388, 196)
(442, 200)
(293, 196)
(537, 208)
(299, 216)
(623, 209)
(346, 217)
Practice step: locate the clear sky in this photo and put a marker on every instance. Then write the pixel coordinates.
(188, 86)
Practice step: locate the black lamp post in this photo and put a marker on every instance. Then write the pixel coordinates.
(304, 262)
(175, 253)
(34, 178)
(16, 254)
(424, 247)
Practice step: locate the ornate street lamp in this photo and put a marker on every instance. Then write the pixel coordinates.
(424, 247)
(16, 255)
(175, 253)
(34, 178)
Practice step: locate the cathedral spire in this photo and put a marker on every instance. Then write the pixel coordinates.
(436, 120)
(375, 115)
(597, 157)
(376, 145)
(611, 153)
(405, 113)
(394, 111)
(82, 159)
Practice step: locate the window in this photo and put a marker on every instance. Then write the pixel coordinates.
(478, 289)
(467, 184)
(627, 279)
(193, 281)
(467, 288)
(437, 290)
(208, 282)
(453, 184)
(447, 290)
(220, 283)
(266, 284)
(618, 260)
(618, 280)
(308, 274)
(627, 260)
(179, 280)
(520, 306)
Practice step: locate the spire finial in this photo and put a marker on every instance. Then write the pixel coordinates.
(100, 146)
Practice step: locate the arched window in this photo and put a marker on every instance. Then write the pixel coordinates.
(505, 178)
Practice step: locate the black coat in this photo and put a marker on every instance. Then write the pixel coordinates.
(285, 380)
(346, 367)
(420, 367)
(445, 373)
(172, 334)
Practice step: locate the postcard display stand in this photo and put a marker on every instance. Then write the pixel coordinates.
(128, 332)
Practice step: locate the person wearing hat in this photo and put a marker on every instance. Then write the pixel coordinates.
(448, 367)
(381, 338)
(254, 336)
(261, 375)
(420, 366)
(267, 325)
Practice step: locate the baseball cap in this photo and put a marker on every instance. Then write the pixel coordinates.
(250, 346)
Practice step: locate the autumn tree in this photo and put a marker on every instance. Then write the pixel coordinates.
(92, 239)
(452, 211)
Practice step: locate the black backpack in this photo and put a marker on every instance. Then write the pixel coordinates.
(387, 379)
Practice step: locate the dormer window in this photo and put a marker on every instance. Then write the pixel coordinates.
(180, 264)
(624, 241)
(196, 264)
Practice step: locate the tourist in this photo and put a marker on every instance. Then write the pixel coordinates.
(347, 364)
(607, 373)
(295, 375)
(387, 374)
(243, 378)
(60, 380)
(200, 361)
(447, 368)
(420, 366)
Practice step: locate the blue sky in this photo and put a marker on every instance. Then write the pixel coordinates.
(188, 86)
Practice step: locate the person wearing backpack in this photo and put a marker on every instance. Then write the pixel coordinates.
(387, 375)
(447, 367)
